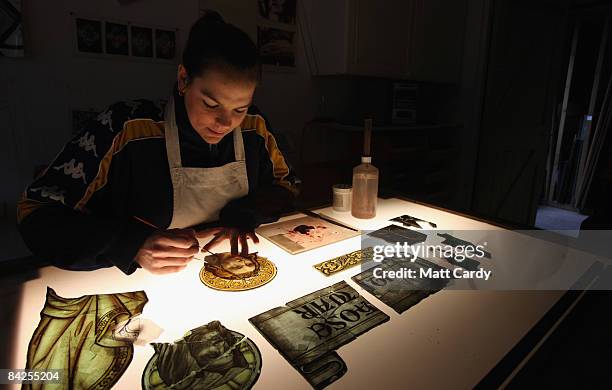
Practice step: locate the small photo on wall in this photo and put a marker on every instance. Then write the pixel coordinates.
(142, 41)
(89, 35)
(116, 38)
(281, 11)
(11, 29)
(165, 44)
(276, 46)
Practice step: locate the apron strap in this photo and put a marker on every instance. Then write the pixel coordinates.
(172, 142)
(238, 145)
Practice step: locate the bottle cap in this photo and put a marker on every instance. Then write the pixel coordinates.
(366, 159)
(342, 188)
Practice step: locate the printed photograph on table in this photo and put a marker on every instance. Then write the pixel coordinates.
(281, 11)
(142, 41)
(116, 38)
(88, 35)
(11, 28)
(306, 233)
(276, 47)
(208, 357)
(165, 44)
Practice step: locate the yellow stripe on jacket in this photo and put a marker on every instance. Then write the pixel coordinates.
(133, 130)
(280, 168)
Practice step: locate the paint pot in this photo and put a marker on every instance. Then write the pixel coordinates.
(342, 197)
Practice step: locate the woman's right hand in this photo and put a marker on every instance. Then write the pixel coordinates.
(167, 251)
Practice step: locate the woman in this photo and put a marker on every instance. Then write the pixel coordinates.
(228, 266)
(127, 190)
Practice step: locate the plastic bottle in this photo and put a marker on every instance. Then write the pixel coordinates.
(365, 189)
(365, 181)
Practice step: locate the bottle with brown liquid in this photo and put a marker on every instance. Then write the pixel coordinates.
(365, 181)
(365, 189)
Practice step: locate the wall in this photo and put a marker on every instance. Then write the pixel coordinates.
(39, 91)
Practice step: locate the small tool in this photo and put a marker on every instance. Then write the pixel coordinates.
(155, 227)
(214, 254)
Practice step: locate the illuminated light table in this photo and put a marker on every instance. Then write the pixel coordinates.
(452, 339)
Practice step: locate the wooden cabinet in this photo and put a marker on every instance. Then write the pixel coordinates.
(415, 161)
(379, 37)
(405, 39)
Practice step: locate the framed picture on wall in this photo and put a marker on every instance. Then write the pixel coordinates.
(117, 39)
(142, 41)
(88, 35)
(11, 29)
(276, 48)
(277, 11)
(112, 39)
(165, 44)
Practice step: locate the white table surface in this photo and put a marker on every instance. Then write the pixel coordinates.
(452, 339)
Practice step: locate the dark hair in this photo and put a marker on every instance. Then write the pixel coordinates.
(213, 42)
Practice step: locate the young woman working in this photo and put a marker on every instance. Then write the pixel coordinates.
(128, 191)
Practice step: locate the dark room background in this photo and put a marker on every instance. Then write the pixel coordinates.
(484, 80)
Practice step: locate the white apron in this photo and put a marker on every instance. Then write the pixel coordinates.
(200, 193)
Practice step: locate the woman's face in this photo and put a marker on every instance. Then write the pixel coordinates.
(238, 265)
(217, 101)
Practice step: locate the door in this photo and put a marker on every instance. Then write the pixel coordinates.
(437, 36)
(522, 76)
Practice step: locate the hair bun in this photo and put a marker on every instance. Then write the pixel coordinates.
(212, 41)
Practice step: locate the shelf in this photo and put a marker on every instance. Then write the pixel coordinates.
(393, 128)
(405, 156)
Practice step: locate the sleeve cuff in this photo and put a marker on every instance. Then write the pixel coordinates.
(249, 212)
(128, 241)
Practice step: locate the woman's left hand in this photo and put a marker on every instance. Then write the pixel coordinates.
(238, 238)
